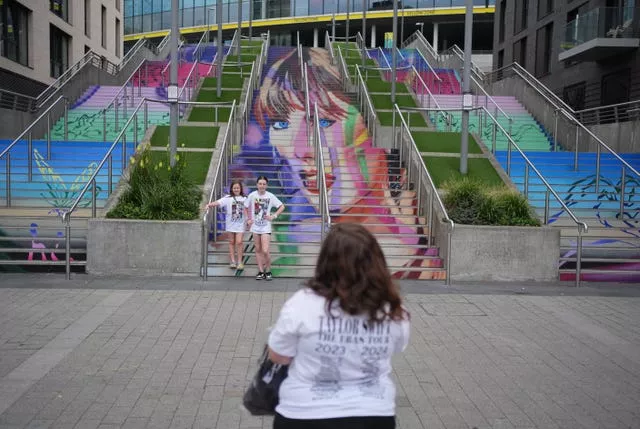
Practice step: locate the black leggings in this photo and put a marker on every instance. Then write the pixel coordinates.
(377, 422)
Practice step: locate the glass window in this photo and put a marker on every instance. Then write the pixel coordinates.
(104, 26)
(59, 51)
(14, 32)
(60, 8)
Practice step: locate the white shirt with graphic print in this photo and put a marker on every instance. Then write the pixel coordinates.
(341, 365)
(259, 207)
(234, 209)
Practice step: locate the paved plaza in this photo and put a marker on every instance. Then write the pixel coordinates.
(178, 353)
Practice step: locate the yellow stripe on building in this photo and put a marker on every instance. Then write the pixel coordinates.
(289, 20)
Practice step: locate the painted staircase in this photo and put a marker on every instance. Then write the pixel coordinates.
(364, 183)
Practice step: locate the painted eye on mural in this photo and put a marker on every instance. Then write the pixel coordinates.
(281, 125)
(324, 123)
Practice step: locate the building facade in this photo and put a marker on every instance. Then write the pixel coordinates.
(585, 51)
(40, 39)
(442, 19)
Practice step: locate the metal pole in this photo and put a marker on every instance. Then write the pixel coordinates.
(402, 25)
(467, 100)
(547, 195)
(239, 29)
(66, 119)
(250, 19)
(173, 85)
(394, 57)
(7, 170)
(555, 131)
(94, 198)
(347, 28)
(364, 31)
(110, 173)
(48, 135)
(333, 28)
(579, 256)
(575, 157)
(220, 49)
(623, 180)
(204, 249)
(67, 246)
(30, 155)
(104, 125)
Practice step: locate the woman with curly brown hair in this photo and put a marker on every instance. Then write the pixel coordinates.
(338, 335)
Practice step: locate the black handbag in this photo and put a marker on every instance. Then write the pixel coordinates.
(262, 396)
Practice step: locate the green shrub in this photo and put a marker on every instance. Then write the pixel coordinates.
(158, 192)
(471, 202)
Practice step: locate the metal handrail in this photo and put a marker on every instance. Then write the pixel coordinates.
(433, 72)
(433, 190)
(115, 100)
(28, 131)
(431, 96)
(460, 54)
(164, 42)
(329, 45)
(384, 57)
(345, 69)
(307, 107)
(187, 81)
(615, 112)
(323, 197)
(166, 67)
(226, 150)
(490, 98)
(569, 115)
(131, 52)
(26, 101)
(234, 43)
(200, 44)
(63, 78)
(371, 116)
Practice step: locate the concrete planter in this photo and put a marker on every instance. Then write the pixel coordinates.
(499, 253)
(143, 247)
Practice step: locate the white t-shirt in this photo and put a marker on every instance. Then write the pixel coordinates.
(341, 366)
(259, 207)
(234, 209)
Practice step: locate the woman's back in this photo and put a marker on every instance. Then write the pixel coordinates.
(342, 362)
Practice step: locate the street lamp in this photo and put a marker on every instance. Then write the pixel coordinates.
(394, 57)
(421, 25)
(209, 9)
(467, 99)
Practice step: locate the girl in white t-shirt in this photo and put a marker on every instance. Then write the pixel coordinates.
(235, 222)
(338, 335)
(258, 206)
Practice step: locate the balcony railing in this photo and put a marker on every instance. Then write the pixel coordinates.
(599, 23)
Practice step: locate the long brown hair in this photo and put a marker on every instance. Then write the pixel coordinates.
(352, 269)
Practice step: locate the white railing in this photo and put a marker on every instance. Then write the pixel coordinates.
(431, 71)
(329, 45)
(307, 108)
(346, 79)
(220, 180)
(132, 52)
(14, 101)
(196, 51)
(190, 83)
(420, 96)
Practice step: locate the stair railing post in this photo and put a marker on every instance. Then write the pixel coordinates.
(104, 125)
(146, 115)
(116, 109)
(7, 171)
(94, 197)
(547, 196)
(430, 218)
(49, 135)
(526, 181)
(393, 131)
(110, 173)
(494, 133)
(623, 180)
(598, 156)
(509, 157)
(575, 158)
(510, 127)
(135, 129)
(555, 130)
(67, 245)
(204, 247)
(579, 256)
(124, 151)
(29, 156)
(66, 119)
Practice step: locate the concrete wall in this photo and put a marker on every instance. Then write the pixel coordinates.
(40, 19)
(141, 247)
(496, 253)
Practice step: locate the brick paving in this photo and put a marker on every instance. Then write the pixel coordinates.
(178, 353)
